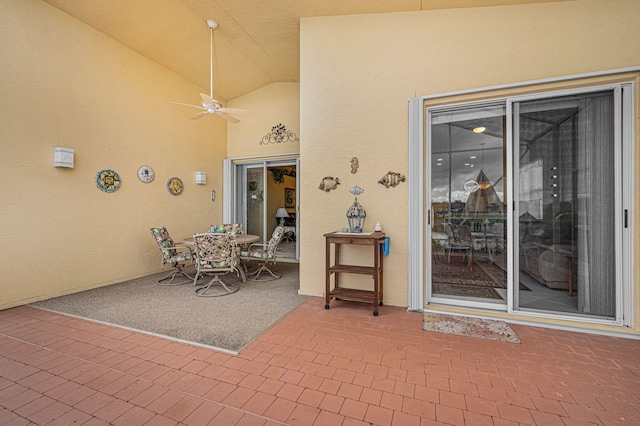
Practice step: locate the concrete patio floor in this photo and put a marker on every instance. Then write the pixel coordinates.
(341, 366)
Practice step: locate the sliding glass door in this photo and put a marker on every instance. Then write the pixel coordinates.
(467, 206)
(527, 207)
(567, 210)
(265, 194)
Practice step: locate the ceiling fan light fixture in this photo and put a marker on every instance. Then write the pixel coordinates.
(479, 129)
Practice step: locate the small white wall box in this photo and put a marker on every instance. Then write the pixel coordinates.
(201, 178)
(63, 157)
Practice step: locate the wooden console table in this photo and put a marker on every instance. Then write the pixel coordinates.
(368, 296)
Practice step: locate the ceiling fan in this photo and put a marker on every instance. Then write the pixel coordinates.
(209, 105)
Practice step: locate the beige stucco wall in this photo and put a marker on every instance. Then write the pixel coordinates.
(277, 103)
(65, 84)
(357, 73)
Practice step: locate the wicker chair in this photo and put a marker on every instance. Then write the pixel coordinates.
(217, 254)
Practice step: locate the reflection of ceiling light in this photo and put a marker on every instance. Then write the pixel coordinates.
(438, 159)
(484, 185)
(438, 164)
(479, 129)
(466, 164)
(472, 157)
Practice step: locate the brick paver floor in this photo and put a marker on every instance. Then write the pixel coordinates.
(341, 366)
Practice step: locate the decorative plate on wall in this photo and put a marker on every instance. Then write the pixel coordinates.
(108, 180)
(175, 186)
(146, 174)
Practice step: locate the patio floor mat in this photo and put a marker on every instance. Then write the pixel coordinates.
(471, 327)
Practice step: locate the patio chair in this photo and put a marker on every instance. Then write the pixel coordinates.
(265, 253)
(459, 238)
(177, 256)
(217, 254)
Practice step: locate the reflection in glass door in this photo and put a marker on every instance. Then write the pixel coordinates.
(566, 209)
(467, 208)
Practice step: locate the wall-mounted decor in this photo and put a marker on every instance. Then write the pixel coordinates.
(213, 195)
(354, 165)
(146, 174)
(108, 180)
(201, 178)
(391, 179)
(289, 198)
(279, 134)
(328, 183)
(175, 186)
(63, 157)
(278, 174)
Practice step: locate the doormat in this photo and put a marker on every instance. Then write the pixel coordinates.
(470, 327)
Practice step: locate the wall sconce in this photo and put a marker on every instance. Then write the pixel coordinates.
(63, 157)
(201, 178)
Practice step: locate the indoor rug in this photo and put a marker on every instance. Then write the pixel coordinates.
(484, 273)
(471, 327)
(464, 291)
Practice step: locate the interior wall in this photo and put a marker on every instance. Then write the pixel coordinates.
(275, 199)
(277, 103)
(357, 73)
(65, 84)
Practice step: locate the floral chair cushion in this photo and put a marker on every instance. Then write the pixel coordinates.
(264, 250)
(227, 228)
(170, 253)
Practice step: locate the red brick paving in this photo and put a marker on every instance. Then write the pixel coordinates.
(341, 366)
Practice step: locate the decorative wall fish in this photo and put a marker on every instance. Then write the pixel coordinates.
(356, 190)
(328, 183)
(391, 179)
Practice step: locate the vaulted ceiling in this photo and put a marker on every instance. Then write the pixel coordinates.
(256, 44)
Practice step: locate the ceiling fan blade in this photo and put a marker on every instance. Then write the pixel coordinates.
(189, 105)
(228, 117)
(199, 115)
(235, 111)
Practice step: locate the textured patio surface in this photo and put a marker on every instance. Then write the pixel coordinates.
(341, 366)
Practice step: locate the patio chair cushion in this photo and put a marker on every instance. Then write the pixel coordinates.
(227, 228)
(168, 247)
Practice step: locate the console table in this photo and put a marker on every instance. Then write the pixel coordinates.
(374, 241)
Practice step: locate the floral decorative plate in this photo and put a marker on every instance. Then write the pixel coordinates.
(108, 180)
(175, 186)
(146, 174)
